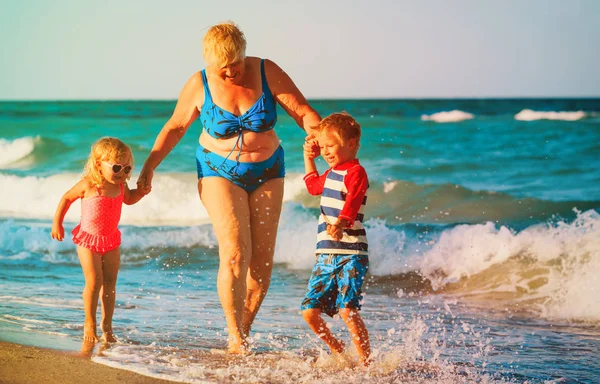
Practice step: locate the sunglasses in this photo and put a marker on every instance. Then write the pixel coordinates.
(117, 168)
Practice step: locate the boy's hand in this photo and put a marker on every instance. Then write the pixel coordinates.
(58, 232)
(311, 147)
(335, 231)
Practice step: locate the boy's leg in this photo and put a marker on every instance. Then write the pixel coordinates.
(321, 297)
(359, 333)
(353, 272)
(111, 261)
(91, 264)
(313, 317)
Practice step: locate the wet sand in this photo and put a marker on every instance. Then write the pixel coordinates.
(32, 365)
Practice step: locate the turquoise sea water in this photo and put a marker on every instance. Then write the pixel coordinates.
(483, 222)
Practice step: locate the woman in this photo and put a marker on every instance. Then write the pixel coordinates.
(239, 162)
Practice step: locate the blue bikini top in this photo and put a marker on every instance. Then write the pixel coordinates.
(222, 124)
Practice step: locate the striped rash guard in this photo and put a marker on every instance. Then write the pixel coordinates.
(343, 191)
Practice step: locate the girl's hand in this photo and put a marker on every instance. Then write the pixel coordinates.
(144, 182)
(311, 147)
(58, 232)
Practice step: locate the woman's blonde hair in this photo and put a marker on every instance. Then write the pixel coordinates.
(224, 44)
(106, 149)
(341, 125)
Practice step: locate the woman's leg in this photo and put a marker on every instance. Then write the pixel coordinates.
(111, 261)
(91, 264)
(227, 207)
(265, 209)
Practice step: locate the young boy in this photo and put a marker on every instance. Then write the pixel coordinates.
(342, 249)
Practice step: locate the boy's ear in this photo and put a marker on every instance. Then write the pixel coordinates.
(353, 143)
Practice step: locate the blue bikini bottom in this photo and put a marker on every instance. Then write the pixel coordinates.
(249, 176)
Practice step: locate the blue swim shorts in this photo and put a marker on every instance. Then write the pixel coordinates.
(336, 282)
(249, 176)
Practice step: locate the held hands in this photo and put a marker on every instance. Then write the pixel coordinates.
(58, 232)
(144, 182)
(311, 147)
(337, 230)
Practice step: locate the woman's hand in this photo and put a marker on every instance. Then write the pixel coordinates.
(144, 182)
(311, 147)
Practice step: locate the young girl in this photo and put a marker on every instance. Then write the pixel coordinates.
(103, 190)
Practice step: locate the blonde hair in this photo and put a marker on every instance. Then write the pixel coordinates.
(224, 44)
(341, 125)
(106, 149)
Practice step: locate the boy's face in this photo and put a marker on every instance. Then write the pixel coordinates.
(336, 152)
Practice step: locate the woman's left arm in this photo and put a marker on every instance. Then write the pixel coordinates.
(290, 98)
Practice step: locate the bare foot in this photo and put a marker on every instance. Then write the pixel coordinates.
(366, 361)
(109, 337)
(107, 332)
(338, 347)
(89, 333)
(87, 349)
(237, 347)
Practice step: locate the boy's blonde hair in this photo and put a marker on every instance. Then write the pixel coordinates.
(106, 149)
(341, 125)
(224, 44)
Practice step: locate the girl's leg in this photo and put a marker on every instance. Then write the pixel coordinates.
(265, 209)
(359, 333)
(111, 261)
(227, 207)
(313, 317)
(91, 264)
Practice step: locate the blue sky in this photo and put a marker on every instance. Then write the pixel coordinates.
(135, 49)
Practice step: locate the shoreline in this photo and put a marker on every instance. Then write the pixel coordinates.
(28, 364)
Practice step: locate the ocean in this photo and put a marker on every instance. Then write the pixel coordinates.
(483, 223)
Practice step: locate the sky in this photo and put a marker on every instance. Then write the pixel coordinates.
(147, 49)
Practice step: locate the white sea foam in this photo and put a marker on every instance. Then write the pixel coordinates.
(400, 358)
(389, 186)
(448, 116)
(568, 252)
(174, 199)
(13, 151)
(529, 115)
(27, 320)
(41, 302)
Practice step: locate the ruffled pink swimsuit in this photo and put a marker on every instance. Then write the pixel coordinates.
(100, 216)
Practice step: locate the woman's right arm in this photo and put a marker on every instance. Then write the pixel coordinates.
(186, 111)
(77, 192)
(290, 97)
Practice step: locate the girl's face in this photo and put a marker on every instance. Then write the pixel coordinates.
(336, 152)
(116, 171)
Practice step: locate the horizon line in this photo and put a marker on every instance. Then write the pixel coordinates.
(583, 97)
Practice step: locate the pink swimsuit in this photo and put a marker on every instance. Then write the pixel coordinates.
(100, 217)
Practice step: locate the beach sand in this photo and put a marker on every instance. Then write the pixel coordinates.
(24, 364)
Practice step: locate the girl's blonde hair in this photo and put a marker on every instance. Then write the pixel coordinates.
(106, 149)
(224, 44)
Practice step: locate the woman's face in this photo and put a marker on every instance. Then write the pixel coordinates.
(232, 72)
